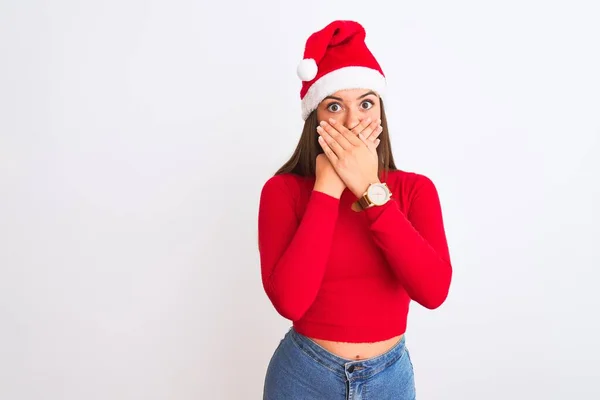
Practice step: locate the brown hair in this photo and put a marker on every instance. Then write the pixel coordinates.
(303, 160)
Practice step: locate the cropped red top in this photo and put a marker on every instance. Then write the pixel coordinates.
(349, 276)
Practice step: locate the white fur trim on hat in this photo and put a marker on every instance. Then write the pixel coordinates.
(340, 79)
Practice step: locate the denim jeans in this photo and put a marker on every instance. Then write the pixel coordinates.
(301, 369)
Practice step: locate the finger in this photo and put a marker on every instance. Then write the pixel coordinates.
(371, 131)
(370, 144)
(375, 134)
(362, 125)
(327, 150)
(377, 141)
(345, 133)
(331, 142)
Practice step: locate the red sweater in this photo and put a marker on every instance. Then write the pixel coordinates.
(349, 276)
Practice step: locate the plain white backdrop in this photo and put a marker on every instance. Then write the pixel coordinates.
(135, 137)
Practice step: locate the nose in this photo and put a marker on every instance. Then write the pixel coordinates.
(351, 119)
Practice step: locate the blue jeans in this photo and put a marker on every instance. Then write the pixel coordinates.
(302, 369)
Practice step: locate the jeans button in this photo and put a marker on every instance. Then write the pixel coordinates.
(351, 368)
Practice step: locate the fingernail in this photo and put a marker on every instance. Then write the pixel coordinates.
(331, 121)
(323, 123)
(368, 121)
(319, 129)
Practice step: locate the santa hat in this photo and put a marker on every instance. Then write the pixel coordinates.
(337, 58)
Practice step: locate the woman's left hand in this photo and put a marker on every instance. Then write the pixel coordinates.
(353, 153)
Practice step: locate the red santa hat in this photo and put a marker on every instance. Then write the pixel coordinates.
(337, 58)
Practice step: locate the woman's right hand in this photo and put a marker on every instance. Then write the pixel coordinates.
(327, 180)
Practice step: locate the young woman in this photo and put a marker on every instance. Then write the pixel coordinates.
(346, 239)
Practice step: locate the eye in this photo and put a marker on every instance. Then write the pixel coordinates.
(334, 107)
(367, 104)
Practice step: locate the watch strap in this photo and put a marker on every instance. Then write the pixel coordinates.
(364, 202)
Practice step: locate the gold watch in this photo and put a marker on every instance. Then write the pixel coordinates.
(377, 194)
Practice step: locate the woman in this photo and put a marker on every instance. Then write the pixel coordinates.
(346, 239)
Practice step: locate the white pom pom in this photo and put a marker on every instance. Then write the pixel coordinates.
(307, 69)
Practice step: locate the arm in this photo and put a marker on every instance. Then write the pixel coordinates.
(294, 252)
(415, 244)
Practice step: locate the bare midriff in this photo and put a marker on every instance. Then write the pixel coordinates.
(358, 351)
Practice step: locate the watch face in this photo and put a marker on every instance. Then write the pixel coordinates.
(378, 194)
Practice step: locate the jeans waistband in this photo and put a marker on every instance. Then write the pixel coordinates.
(345, 367)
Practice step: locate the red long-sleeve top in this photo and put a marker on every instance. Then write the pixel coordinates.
(349, 276)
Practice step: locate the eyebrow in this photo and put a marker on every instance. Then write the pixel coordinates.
(359, 97)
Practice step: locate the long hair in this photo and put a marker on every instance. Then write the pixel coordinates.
(303, 160)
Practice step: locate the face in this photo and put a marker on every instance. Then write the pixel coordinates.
(350, 107)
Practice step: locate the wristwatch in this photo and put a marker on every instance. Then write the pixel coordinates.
(377, 194)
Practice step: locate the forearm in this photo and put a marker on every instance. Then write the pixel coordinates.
(415, 246)
(294, 259)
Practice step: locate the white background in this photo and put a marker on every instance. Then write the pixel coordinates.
(135, 137)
